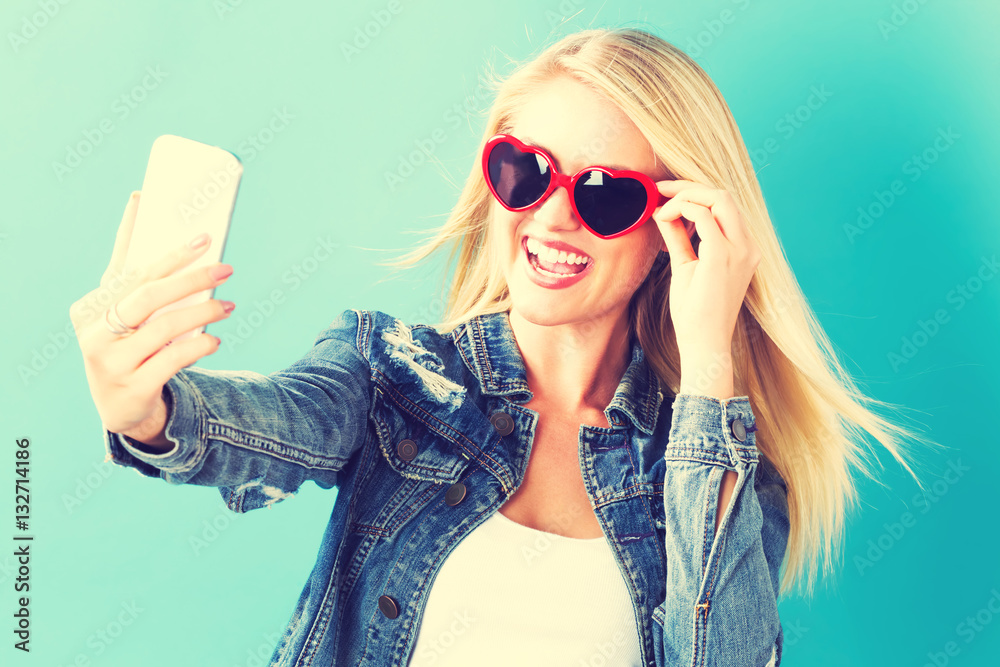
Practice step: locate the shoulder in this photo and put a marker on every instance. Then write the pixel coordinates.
(404, 355)
(373, 331)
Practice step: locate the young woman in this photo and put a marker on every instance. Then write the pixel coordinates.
(627, 422)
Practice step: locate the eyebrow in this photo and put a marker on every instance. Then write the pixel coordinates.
(529, 142)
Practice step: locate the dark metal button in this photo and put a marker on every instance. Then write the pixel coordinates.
(739, 430)
(388, 606)
(454, 494)
(406, 449)
(502, 422)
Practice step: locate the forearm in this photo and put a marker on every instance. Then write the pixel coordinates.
(261, 435)
(707, 373)
(711, 374)
(721, 582)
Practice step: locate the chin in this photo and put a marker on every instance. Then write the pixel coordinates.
(541, 310)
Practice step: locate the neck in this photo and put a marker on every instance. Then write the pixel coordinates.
(576, 366)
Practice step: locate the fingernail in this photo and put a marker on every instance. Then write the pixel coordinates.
(199, 241)
(228, 306)
(221, 271)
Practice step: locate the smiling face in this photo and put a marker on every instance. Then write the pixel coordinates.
(578, 128)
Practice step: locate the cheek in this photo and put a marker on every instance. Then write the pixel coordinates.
(502, 236)
(628, 269)
(505, 231)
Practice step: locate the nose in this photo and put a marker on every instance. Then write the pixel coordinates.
(556, 210)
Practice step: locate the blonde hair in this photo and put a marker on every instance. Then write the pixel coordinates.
(810, 414)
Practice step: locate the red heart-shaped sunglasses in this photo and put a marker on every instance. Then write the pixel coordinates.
(609, 202)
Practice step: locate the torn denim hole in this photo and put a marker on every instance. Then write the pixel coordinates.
(407, 353)
(273, 493)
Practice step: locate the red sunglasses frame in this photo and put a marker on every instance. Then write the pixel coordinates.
(653, 196)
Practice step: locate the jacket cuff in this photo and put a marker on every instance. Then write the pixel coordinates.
(182, 428)
(704, 428)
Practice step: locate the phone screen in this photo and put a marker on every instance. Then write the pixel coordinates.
(189, 188)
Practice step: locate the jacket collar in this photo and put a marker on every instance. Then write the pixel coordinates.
(490, 351)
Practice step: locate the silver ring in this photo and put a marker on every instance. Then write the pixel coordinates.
(119, 328)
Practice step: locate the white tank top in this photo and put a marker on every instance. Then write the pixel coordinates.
(509, 594)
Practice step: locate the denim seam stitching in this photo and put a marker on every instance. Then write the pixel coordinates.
(418, 413)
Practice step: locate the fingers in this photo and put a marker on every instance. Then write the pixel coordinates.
(719, 202)
(149, 297)
(151, 339)
(175, 259)
(163, 365)
(706, 225)
(122, 239)
(677, 240)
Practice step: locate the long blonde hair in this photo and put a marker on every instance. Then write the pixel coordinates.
(810, 414)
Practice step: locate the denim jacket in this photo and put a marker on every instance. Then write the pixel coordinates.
(425, 435)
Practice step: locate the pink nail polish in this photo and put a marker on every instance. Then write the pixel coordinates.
(221, 271)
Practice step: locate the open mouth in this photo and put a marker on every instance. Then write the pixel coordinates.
(554, 263)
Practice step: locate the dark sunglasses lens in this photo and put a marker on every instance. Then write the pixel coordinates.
(609, 205)
(519, 178)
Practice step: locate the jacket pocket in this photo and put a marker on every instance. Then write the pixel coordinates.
(413, 465)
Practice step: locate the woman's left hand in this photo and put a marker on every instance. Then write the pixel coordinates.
(706, 291)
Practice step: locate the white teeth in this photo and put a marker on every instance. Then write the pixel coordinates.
(553, 256)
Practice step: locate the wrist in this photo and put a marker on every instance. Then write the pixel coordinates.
(709, 374)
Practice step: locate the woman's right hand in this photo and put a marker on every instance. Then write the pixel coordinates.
(127, 373)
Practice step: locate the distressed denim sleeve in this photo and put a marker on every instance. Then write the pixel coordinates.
(259, 437)
(721, 606)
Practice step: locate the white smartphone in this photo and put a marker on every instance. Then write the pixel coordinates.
(189, 188)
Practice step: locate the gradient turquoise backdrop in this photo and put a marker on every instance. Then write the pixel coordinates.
(888, 108)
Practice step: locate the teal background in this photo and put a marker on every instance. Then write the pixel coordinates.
(128, 541)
